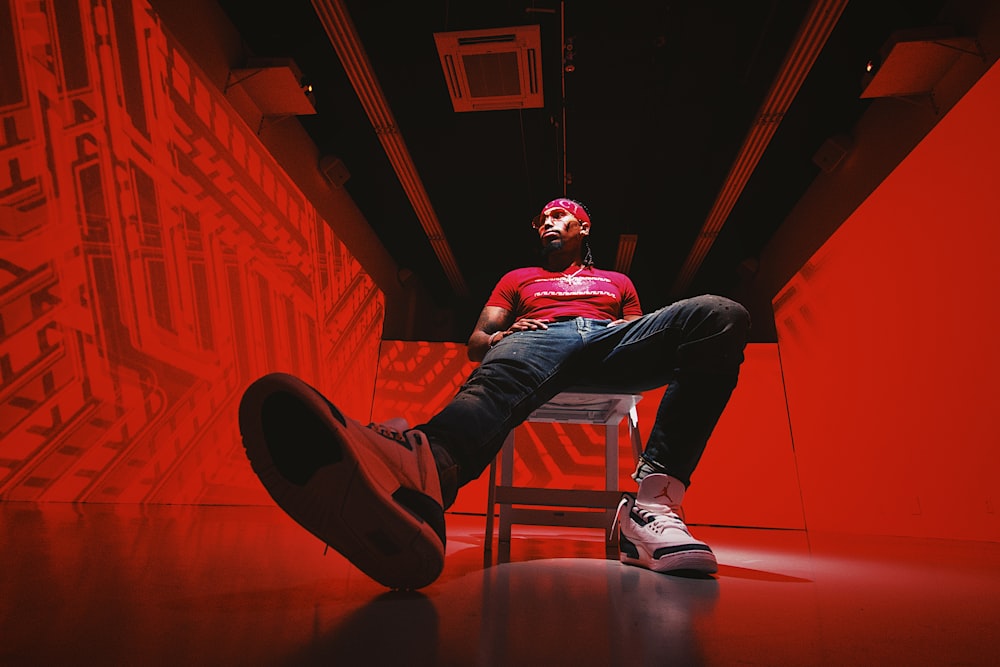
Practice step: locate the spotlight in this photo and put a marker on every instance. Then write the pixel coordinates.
(307, 90)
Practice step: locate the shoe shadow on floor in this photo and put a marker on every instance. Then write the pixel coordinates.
(394, 628)
(759, 575)
(580, 611)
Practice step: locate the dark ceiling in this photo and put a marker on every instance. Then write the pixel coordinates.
(663, 94)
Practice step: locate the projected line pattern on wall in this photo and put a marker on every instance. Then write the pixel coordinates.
(153, 260)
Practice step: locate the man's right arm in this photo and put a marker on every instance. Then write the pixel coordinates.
(493, 321)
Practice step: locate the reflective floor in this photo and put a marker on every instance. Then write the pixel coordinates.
(168, 585)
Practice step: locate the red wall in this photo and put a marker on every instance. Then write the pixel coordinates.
(888, 344)
(153, 260)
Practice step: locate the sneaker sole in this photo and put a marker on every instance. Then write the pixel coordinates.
(298, 446)
(694, 559)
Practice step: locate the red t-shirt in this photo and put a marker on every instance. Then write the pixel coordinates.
(537, 293)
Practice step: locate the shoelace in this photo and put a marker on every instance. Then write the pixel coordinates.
(622, 504)
(388, 432)
(406, 436)
(413, 440)
(661, 522)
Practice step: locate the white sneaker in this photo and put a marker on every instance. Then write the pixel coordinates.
(372, 493)
(653, 535)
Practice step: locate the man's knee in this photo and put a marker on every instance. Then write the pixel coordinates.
(736, 314)
(728, 314)
(727, 330)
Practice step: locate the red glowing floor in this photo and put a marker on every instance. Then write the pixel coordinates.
(169, 585)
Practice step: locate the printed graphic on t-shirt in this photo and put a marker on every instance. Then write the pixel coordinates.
(571, 288)
(536, 293)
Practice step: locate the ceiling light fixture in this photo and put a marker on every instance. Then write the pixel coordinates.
(273, 85)
(912, 62)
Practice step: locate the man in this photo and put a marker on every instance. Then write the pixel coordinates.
(378, 495)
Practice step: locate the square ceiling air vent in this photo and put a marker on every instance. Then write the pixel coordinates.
(499, 68)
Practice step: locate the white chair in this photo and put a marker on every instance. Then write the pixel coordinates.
(536, 506)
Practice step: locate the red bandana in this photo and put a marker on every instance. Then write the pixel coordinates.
(573, 207)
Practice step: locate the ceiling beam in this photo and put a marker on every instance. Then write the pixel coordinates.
(811, 38)
(346, 42)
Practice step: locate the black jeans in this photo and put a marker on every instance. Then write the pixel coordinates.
(695, 346)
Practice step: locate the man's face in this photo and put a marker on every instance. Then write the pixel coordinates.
(556, 226)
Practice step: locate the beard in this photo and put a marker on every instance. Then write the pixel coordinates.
(551, 246)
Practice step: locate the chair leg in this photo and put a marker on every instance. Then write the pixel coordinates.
(506, 480)
(490, 509)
